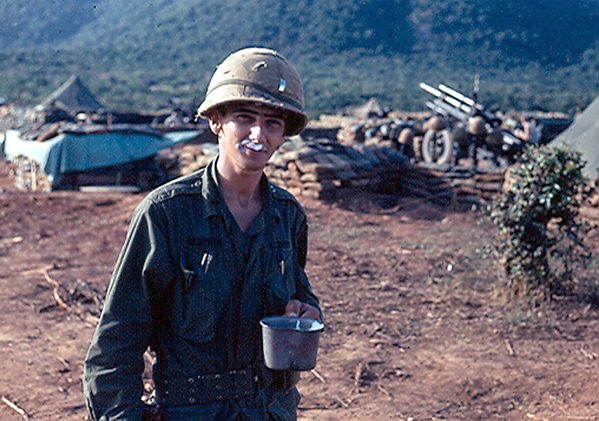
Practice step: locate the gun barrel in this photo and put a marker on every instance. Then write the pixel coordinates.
(457, 95)
(459, 105)
(430, 89)
(451, 110)
(437, 109)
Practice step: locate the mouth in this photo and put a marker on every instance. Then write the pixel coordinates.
(248, 144)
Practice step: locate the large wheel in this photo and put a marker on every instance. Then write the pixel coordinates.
(437, 147)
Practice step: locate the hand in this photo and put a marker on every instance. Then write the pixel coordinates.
(296, 308)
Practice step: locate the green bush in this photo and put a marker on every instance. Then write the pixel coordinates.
(541, 234)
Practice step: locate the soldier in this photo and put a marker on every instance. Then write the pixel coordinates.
(477, 129)
(206, 257)
(461, 137)
(405, 143)
(529, 132)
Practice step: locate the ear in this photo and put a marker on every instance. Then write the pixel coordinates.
(215, 123)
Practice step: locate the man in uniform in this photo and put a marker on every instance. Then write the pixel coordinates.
(477, 129)
(206, 257)
(529, 132)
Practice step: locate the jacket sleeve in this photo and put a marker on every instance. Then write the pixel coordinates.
(303, 289)
(114, 364)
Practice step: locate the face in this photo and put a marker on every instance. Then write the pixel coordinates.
(248, 135)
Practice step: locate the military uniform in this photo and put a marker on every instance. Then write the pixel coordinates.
(192, 286)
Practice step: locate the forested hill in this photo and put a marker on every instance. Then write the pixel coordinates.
(541, 54)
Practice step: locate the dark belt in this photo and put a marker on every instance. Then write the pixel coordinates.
(229, 385)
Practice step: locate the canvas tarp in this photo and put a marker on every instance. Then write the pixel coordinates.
(583, 136)
(70, 152)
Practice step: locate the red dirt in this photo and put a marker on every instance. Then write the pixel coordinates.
(415, 329)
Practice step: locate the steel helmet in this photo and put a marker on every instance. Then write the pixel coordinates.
(262, 76)
(406, 136)
(477, 126)
(437, 124)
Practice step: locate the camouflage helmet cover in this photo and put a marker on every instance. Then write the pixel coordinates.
(262, 76)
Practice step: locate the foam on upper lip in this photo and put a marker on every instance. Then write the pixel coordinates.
(253, 146)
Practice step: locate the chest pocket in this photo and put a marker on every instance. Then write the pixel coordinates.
(204, 288)
(279, 275)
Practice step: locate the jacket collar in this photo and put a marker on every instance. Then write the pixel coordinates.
(211, 191)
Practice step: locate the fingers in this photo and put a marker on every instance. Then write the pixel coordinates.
(296, 308)
(309, 312)
(293, 308)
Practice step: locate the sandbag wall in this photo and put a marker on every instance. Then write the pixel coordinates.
(419, 182)
(325, 169)
(28, 176)
(184, 159)
(470, 187)
(590, 211)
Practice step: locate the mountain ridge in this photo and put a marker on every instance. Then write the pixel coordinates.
(534, 54)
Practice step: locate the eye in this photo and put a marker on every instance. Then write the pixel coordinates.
(245, 116)
(275, 122)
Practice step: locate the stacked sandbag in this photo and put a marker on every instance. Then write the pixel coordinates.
(352, 132)
(470, 187)
(589, 209)
(325, 169)
(185, 158)
(479, 189)
(420, 182)
(27, 175)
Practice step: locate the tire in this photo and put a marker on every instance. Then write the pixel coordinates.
(437, 147)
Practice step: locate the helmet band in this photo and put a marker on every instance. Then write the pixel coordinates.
(258, 87)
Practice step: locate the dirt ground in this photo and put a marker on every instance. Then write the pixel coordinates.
(415, 329)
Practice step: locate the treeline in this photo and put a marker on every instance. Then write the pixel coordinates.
(538, 54)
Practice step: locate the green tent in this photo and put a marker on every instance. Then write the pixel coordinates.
(73, 95)
(583, 136)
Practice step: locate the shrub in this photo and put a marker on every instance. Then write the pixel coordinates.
(540, 232)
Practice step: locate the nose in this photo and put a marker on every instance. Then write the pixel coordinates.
(257, 131)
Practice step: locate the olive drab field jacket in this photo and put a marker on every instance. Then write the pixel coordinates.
(193, 287)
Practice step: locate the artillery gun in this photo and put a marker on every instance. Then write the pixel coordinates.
(462, 123)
